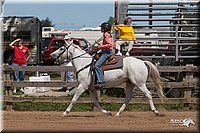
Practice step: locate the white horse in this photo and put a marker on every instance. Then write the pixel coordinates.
(134, 73)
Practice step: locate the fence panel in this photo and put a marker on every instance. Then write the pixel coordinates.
(187, 85)
(169, 28)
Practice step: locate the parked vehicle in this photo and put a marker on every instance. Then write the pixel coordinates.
(49, 45)
(52, 32)
(30, 30)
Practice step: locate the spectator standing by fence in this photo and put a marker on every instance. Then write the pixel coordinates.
(69, 75)
(20, 58)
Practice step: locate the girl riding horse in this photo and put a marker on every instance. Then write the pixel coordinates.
(106, 47)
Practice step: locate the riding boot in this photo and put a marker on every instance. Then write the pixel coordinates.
(100, 85)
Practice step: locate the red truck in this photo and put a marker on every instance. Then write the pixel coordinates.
(49, 45)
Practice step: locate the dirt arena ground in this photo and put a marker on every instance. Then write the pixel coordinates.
(95, 121)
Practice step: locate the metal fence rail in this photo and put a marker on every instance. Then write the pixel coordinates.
(164, 23)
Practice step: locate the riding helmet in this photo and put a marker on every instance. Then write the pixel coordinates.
(107, 26)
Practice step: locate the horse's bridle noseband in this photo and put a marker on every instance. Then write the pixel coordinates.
(70, 59)
(66, 48)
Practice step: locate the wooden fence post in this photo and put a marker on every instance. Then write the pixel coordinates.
(8, 90)
(63, 75)
(188, 90)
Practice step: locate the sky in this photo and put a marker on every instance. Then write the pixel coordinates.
(64, 14)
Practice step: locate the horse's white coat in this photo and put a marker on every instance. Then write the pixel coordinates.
(134, 73)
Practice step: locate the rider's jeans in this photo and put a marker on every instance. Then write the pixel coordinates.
(105, 55)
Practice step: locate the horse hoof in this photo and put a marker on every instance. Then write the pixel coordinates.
(109, 113)
(64, 114)
(117, 115)
(156, 112)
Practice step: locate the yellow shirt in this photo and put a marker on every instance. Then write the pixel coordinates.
(126, 32)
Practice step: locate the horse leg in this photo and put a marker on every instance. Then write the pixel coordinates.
(95, 99)
(129, 95)
(80, 89)
(147, 93)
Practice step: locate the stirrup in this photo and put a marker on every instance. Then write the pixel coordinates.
(119, 53)
(99, 86)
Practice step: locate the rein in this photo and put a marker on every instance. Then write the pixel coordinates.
(83, 68)
(66, 48)
(70, 59)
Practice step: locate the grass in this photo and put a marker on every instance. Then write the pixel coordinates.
(26, 106)
(49, 107)
(90, 107)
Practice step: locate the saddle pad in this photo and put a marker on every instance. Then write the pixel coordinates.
(114, 64)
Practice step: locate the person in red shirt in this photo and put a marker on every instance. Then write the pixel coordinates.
(20, 58)
(106, 47)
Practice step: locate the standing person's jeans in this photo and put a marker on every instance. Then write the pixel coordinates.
(69, 78)
(18, 74)
(105, 55)
(69, 75)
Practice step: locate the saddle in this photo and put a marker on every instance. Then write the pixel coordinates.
(113, 62)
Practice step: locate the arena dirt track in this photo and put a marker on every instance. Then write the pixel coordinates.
(95, 121)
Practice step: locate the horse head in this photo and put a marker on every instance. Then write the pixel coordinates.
(63, 52)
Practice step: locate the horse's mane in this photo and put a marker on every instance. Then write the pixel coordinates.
(80, 49)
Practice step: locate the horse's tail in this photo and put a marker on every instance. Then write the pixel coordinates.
(154, 74)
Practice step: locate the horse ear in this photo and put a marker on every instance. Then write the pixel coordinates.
(71, 41)
(62, 48)
(75, 46)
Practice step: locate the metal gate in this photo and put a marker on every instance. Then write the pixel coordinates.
(165, 29)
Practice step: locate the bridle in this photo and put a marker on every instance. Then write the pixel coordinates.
(71, 59)
(66, 48)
